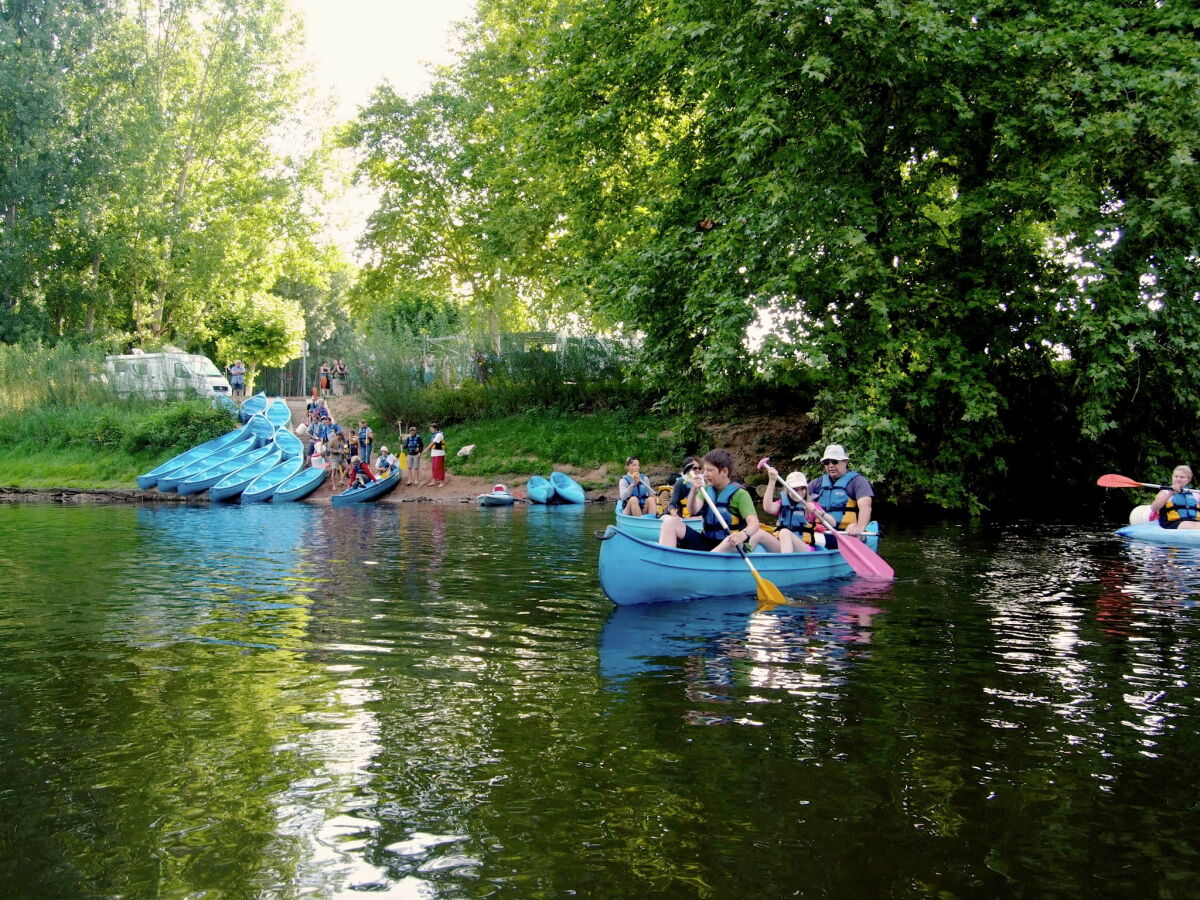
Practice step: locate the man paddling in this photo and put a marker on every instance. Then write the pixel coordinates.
(734, 502)
(844, 494)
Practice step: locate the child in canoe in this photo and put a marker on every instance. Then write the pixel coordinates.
(714, 488)
(636, 495)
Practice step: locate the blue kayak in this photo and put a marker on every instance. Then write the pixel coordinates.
(300, 485)
(539, 489)
(262, 487)
(1153, 533)
(366, 493)
(252, 406)
(278, 413)
(647, 527)
(202, 481)
(566, 489)
(635, 571)
(170, 480)
(237, 481)
(148, 480)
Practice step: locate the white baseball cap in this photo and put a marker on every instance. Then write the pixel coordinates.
(796, 480)
(836, 452)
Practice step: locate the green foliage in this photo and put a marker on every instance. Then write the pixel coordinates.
(264, 330)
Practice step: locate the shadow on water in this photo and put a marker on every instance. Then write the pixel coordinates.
(428, 700)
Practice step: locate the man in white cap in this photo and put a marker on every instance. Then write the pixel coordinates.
(844, 494)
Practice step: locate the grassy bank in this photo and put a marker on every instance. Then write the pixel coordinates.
(98, 443)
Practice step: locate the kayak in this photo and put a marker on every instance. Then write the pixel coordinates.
(252, 405)
(1153, 533)
(566, 489)
(235, 482)
(262, 487)
(149, 479)
(367, 492)
(206, 479)
(278, 413)
(646, 527)
(635, 571)
(539, 489)
(497, 496)
(170, 480)
(299, 485)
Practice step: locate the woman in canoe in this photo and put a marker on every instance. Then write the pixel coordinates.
(1178, 506)
(734, 502)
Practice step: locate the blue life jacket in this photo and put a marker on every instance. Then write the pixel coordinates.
(364, 436)
(413, 444)
(791, 514)
(834, 499)
(714, 529)
(639, 489)
(1181, 507)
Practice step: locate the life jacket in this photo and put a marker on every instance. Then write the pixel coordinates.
(711, 527)
(833, 497)
(364, 436)
(639, 488)
(437, 445)
(793, 518)
(1181, 507)
(413, 444)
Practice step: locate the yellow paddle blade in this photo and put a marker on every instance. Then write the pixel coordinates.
(767, 592)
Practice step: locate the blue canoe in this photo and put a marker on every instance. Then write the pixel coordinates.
(1153, 533)
(646, 527)
(262, 429)
(237, 481)
(288, 443)
(170, 480)
(566, 489)
(278, 413)
(147, 481)
(203, 480)
(539, 489)
(635, 571)
(300, 485)
(372, 491)
(252, 405)
(262, 487)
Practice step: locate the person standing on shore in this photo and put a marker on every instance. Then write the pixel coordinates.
(414, 446)
(366, 440)
(237, 378)
(437, 457)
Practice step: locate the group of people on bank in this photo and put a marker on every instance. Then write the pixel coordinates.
(348, 452)
(840, 499)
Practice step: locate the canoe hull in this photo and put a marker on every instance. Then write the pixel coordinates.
(149, 479)
(647, 527)
(170, 481)
(1153, 533)
(566, 489)
(634, 571)
(232, 485)
(366, 494)
(495, 498)
(299, 485)
(252, 405)
(262, 487)
(539, 489)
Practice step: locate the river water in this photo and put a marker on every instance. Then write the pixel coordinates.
(431, 701)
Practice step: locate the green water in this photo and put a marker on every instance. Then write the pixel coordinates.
(432, 701)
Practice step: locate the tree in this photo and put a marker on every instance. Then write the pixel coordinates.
(266, 330)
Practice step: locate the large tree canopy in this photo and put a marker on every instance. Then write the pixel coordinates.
(980, 222)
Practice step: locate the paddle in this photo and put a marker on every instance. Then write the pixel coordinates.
(861, 558)
(1120, 481)
(767, 592)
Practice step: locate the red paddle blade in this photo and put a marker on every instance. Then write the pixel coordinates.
(863, 560)
(1118, 481)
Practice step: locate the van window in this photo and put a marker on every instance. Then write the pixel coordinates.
(181, 371)
(206, 366)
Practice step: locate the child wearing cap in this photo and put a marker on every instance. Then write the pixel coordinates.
(794, 528)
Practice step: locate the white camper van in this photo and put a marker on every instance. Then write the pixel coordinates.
(170, 373)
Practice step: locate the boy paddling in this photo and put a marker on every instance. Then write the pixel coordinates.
(734, 502)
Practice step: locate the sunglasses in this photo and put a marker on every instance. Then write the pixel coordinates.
(830, 462)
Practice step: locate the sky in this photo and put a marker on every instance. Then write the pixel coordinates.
(355, 44)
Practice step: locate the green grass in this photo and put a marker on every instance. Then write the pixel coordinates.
(534, 443)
